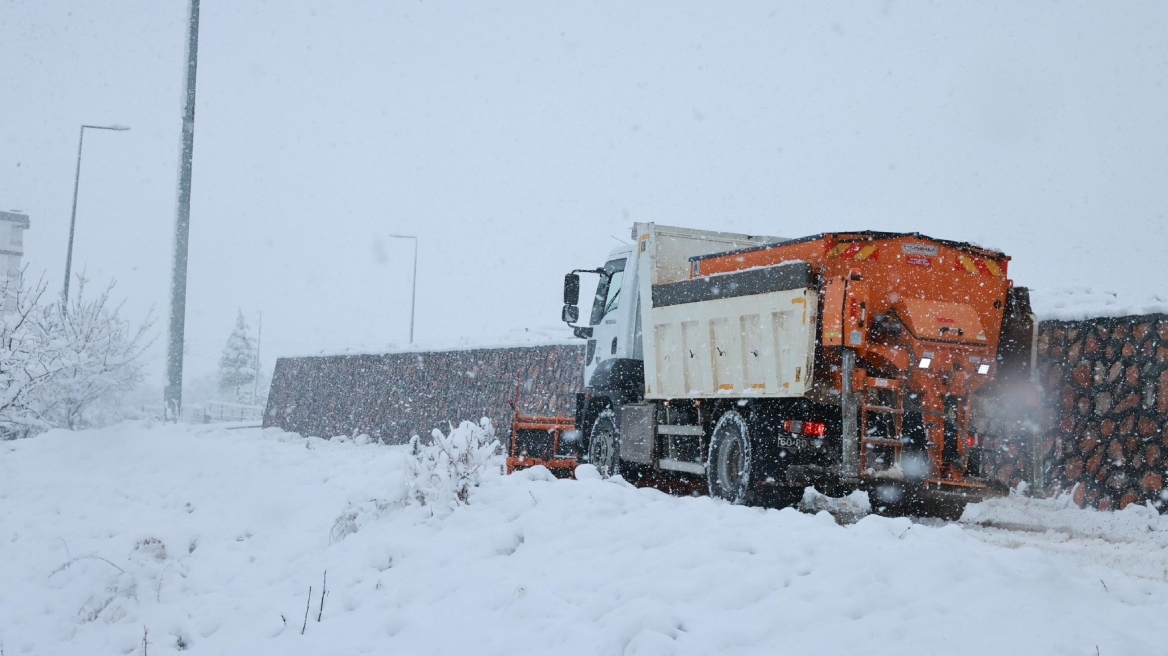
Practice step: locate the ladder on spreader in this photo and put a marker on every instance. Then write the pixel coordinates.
(881, 426)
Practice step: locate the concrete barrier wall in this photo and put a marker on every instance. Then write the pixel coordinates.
(394, 396)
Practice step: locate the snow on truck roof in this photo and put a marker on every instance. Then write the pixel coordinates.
(866, 235)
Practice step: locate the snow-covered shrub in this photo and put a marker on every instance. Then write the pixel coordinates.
(440, 474)
(352, 520)
(100, 357)
(61, 364)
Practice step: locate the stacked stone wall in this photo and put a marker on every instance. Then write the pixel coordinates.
(1008, 458)
(394, 396)
(1105, 423)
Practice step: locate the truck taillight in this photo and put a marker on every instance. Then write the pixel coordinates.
(973, 441)
(806, 428)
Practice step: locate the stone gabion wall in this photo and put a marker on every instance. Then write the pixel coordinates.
(394, 396)
(1106, 409)
(1008, 458)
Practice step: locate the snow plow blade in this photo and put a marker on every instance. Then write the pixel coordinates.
(541, 441)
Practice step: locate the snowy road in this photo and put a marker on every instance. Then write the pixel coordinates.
(209, 539)
(1134, 542)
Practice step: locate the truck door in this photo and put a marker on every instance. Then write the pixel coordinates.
(610, 306)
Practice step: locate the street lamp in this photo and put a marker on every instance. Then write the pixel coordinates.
(414, 293)
(76, 185)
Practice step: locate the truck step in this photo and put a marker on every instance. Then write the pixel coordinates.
(882, 441)
(682, 466)
(669, 429)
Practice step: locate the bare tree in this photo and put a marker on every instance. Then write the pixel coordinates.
(58, 362)
(26, 362)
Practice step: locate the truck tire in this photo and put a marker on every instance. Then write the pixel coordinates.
(729, 465)
(604, 444)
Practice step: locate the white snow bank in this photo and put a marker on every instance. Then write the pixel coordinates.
(1133, 541)
(210, 538)
(1078, 303)
(846, 510)
(1136, 524)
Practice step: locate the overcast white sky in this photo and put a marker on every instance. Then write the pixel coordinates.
(517, 138)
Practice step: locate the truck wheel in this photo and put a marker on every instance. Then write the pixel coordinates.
(728, 469)
(604, 444)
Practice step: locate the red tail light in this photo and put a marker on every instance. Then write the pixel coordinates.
(806, 428)
(973, 441)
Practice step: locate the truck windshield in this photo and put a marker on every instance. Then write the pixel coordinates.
(608, 291)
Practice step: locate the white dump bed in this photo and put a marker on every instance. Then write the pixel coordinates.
(750, 333)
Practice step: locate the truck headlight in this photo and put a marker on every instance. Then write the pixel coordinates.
(925, 362)
(983, 369)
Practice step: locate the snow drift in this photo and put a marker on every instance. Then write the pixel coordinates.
(209, 539)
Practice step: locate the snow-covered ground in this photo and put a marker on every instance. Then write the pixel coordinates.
(209, 539)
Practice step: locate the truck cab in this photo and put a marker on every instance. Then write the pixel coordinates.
(612, 316)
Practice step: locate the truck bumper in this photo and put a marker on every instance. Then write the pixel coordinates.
(559, 467)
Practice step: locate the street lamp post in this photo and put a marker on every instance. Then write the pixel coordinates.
(76, 186)
(414, 292)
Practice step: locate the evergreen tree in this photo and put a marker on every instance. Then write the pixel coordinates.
(237, 365)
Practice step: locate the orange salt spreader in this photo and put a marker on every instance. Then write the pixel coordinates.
(909, 329)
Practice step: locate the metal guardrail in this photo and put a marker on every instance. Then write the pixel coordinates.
(217, 411)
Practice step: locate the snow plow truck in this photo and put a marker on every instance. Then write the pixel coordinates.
(756, 366)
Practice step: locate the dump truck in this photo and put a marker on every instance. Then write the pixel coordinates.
(757, 366)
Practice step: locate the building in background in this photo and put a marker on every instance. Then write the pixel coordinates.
(12, 227)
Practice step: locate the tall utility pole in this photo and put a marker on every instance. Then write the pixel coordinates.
(255, 392)
(182, 230)
(76, 186)
(414, 293)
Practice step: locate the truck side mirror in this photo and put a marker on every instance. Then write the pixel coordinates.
(570, 314)
(571, 290)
